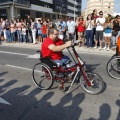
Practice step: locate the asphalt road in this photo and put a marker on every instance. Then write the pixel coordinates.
(22, 100)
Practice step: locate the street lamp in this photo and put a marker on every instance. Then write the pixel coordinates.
(74, 9)
(61, 9)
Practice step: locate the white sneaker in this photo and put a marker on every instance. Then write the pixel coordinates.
(95, 47)
(104, 48)
(108, 49)
(99, 48)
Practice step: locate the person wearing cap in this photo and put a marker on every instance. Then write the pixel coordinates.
(99, 29)
(71, 28)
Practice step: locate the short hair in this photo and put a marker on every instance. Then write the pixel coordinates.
(51, 30)
(100, 12)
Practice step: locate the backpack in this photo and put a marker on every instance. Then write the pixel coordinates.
(118, 47)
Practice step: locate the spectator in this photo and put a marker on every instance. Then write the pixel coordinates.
(116, 29)
(33, 29)
(76, 29)
(12, 31)
(7, 26)
(0, 30)
(81, 30)
(63, 24)
(39, 27)
(89, 24)
(107, 33)
(28, 31)
(99, 29)
(19, 25)
(60, 30)
(24, 33)
(94, 17)
(4, 29)
(44, 30)
(71, 28)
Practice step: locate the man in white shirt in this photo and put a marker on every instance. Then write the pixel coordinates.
(99, 29)
(71, 28)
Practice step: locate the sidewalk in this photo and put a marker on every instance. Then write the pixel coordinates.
(79, 49)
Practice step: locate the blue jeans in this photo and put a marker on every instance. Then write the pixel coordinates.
(19, 35)
(89, 38)
(64, 60)
(13, 36)
(8, 35)
(24, 38)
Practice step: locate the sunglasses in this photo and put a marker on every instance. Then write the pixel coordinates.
(101, 14)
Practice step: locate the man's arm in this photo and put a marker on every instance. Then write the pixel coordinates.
(59, 48)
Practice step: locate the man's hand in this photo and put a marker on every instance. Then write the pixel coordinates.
(68, 44)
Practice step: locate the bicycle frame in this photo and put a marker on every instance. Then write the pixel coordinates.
(78, 68)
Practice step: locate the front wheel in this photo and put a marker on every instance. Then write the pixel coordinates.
(42, 76)
(113, 67)
(96, 83)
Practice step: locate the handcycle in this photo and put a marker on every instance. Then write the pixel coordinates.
(47, 71)
(113, 65)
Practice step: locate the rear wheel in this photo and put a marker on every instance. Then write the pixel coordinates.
(96, 83)
(113, 67)
(42, 76)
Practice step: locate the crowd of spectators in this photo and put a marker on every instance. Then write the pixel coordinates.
(91, 31)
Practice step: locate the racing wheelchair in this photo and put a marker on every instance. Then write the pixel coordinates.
(113, 65)
(47, 71)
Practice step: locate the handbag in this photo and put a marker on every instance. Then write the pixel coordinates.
(114, 33)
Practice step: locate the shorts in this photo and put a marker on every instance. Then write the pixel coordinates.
(40, 35)
(81, 34)
(99, 35)
(44, 35)
(107, 34)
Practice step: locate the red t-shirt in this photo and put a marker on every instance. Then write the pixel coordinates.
(44, 29)
(46, 52)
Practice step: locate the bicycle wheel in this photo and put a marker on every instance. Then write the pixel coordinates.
(96, 83)
(42, 76)
(113, 67)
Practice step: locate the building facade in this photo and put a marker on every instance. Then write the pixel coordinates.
(39, 8)
(106, 6)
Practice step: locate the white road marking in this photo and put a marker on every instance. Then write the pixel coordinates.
(14, 53)
(28, 55)
(34, 56)
(18, 67)
(4, 101)
(13, 66)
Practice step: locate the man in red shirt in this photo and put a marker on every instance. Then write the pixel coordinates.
(53, 46)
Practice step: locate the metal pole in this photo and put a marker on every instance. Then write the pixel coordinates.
(74, 10)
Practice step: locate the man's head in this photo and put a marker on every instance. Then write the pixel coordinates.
(60, 19)
(53, 33)
(101, 13)
(117, 17)
(69, 18)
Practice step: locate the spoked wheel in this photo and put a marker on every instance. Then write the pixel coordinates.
(96, 83)
(42, 76)
(113, 67)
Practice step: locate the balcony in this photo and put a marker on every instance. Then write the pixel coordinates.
(24, 2)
